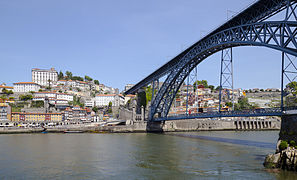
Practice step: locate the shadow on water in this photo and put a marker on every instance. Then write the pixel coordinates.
(227, 140)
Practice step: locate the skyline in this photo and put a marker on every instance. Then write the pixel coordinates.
(121, 43)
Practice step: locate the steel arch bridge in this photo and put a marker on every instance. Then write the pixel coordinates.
(249, 28)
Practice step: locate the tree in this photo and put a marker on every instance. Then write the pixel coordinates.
(110, 107)
(87, 78)
(69, 74)
(60, 75)
(95, 109)
(96, 82)
(26, 97)
(7, 92)
(78, 78)
(142, 99)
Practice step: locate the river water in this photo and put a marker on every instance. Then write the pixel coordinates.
(192, 155)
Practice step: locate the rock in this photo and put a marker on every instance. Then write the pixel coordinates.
(272, 160)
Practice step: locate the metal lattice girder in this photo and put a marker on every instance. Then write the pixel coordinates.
(257, 12)
(267, 34)
(226, 76)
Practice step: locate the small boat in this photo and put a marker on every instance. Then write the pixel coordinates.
(44, 132)
(73, 131)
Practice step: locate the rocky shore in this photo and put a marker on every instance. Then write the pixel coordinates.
(283, 159)
(285, 156)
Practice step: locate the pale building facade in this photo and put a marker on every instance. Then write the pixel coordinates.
(45, 77)
(25, 87)
(104, 99)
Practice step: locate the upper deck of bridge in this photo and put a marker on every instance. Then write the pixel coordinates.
(256, 12)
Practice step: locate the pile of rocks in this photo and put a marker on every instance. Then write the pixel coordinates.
(285, 159)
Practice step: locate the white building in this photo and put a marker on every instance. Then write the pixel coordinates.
(45, 77)
(64, 96)
(104, 99)
(25, 87)
(40, 96)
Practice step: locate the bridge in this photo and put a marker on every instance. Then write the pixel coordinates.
(251, 27)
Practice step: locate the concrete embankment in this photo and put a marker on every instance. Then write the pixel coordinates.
(168, 126)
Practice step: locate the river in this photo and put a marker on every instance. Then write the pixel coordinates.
(191, 155)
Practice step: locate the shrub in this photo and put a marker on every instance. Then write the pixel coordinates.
(292, 143)
(283, 145)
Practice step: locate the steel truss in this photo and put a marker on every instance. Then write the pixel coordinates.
(226, 76)
(278, 35)
(289, 70)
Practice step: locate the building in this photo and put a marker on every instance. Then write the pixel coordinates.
(104, 99)
(23, 116)
(129, 97)
(75, 114)
(3, 86)
(128, 86)
(5, 112)
(45, 77)
(25, 87)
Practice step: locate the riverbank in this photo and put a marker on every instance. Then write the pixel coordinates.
(168, 126)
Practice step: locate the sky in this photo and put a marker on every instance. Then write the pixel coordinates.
(122, 42)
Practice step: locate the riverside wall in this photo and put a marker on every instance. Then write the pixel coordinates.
(167, 126)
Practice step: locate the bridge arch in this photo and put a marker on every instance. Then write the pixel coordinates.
(278, 35)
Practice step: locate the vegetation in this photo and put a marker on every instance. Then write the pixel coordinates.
(77, 101)
(87, 78)
(26, 97)
(37, 104)
(96, 82)
(60, 75)
(95, 109)
(243, 103)
(283, 145)
(142, 98)
(109, 108)
(77, 78)
(292, 143)
(7, 92)
(68, 75)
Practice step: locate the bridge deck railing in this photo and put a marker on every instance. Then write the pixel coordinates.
(277, 111)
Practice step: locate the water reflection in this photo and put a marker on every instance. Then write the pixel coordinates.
(195, 155)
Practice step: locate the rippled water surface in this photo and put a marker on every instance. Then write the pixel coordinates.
(193, 155)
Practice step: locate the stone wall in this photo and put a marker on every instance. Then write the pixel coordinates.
(288, 130)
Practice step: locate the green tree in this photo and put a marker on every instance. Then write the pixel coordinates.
(95, 109)
(7, 92)
(69, 74)
(60, 75)
(110, 107)
(96, 82)
(26, 97)
(202, 82)
(87, 78)
(78, 78)
(142, 98)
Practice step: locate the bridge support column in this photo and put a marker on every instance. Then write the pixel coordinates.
(226, 76)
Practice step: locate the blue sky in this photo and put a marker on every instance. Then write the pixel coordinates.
(121, 42)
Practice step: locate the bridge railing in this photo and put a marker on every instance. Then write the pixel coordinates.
(277, 111)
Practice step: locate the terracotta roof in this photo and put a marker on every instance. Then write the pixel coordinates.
(105, 94)
(7, 87)
(26, 83)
